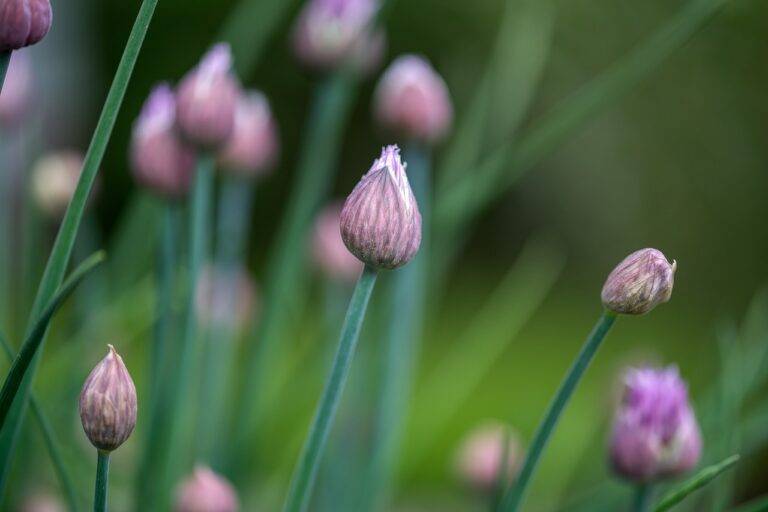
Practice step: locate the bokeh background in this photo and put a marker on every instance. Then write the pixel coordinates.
(679, 163)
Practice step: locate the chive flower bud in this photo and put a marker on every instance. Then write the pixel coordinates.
(252, 149)
(329, 253)
(108, 403)
(54, 180)
(225, 297)
(159, 158)
(41, 502)
(23, 23)
(413, 100)
(206, 100)
(380, 221)
(639, 283)
(205, 491)
(17, 91)
(480, 457)
(655, 433)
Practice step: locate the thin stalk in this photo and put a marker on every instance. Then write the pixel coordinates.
(513, 498)
(643, 498)
(5, 61)
(62, 249)
(306, 470)
(102, 478)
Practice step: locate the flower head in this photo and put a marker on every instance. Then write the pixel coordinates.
(54, 180)
(639, 283)
(108, 403)
(480, 456)
(328, 250)
(160, 160)
(225, 297)
(23, 23)
(655, 433)
(413, 100)
(253, 147)
(206, 100)
(380, 221)
(205, 491)
(15, 98)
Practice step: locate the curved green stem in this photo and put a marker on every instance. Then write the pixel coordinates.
(643, 498)
(102, 477)
(304, 475)
(514, 497)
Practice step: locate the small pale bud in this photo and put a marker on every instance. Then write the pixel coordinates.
(328, 250)
(252, 149)
(23, 23)
(41, 502)
(206, 100)
(639, 283)
(413, 100)
(205, 491)
(380, 221)
(54, 180)
(655, 433)
(480, 456)
(16, 94)
(159, 159)
(225, 297)
(108, 403)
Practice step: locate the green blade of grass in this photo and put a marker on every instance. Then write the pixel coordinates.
(701, 479)
(62, 249)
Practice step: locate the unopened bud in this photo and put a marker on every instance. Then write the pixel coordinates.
(225, 297)
(205, 491)
(23, 23)
(639, 283)
(480, 458)
(41, 502)
(380, 221)
(108, 403)
(252, 149)
(54, 180)
(330, 254)
(15, 97)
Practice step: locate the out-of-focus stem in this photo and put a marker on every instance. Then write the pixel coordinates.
(5, 61)
(102, 477)
(306, 470)
(643, 498)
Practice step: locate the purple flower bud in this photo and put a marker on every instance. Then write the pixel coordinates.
(480, 455)
(413, 100)
(16, 94)
(160, 160)
(206, 100)
(23, 23)
(655, 433)
(205, 491)
(639, 283)
(330, 254)
(380, 221)
(225, 297)
(54, 180)
(328, 32)
(41, 502)
(108, 403)
(252, 149)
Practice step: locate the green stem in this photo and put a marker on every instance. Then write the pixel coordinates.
(102, 477)
(514, 497)
(306, 470)
(5, 61)
(643, 498)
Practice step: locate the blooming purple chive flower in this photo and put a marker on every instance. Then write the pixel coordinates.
(328, 250)
(159, 158)
(480, 456)
(380, 221)
(54, 180)
(253, 147)
(23, 23)
(639, 283)
(329, 32)
(655, 433)
(225, 297)
(413, 100)
(205, 491)
(206, 100)
(15, 98)
(108, 403)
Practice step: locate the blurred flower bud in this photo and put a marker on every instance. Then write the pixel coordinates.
(252, 149)
(655, 433)
(413, 100)
(205, 491)
(41, 502)
(206, 100)
(160, 160)
(225, 297)
(54, 180)
(330, 254)
(641, 282)
(15, 97)
(480, 456)
(380, 221)
(23, 23)
(329, 32)
(108, 403)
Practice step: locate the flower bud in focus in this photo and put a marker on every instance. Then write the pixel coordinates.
(639, 283)
(159, 159)
(108, 403)
(206, 100)
(252, 149)
(380, 221)
(413, 100)
(23, 23)
(225, 297)
(655, 433)
(480, 456)
(205, 491)
(54, 180)
(16, 94)
(330, 254)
